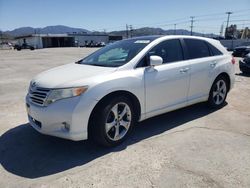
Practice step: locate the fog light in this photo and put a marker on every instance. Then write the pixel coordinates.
(66, 126)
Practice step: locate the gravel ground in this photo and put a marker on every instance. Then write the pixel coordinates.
(191, 147)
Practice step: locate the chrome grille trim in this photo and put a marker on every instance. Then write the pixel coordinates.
(38, 95)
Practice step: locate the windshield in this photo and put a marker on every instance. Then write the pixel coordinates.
(116, 54)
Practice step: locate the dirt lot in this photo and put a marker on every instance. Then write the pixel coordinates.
(192, 147)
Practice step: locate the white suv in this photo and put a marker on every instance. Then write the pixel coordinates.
(103, 95)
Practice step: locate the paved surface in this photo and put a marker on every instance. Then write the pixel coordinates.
(192, 147)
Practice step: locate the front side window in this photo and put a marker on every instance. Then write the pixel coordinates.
(169, 50)
(196, 48)
(116, 54)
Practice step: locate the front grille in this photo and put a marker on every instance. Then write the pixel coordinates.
(38, 95)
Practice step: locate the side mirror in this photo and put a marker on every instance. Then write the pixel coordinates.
(155, 60)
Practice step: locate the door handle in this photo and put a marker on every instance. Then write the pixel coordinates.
(185, 70)
(213, 64)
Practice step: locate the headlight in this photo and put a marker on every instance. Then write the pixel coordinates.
(57, 94)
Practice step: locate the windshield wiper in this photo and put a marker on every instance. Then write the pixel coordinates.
(96, 64)
(78, 62)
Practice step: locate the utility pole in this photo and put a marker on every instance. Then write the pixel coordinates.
(131, 30)
(228, 17)
(174, 29)
(127, 30)
(221, 29)
(192, 25)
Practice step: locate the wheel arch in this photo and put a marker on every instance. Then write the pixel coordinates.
(135, 101)
(227, 77)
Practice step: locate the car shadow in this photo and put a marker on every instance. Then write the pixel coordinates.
(243, 74)
(27, 153)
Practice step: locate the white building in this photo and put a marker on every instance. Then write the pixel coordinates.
(64, 40)
(83, 39)
(46, 40)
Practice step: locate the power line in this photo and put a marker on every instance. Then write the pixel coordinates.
(185, 20)
(207, 19)
(239, 20)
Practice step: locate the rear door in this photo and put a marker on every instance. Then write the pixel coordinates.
(202, 64)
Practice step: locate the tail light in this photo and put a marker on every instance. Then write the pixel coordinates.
(233, 60)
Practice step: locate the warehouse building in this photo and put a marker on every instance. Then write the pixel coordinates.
(64, 40)
(83, 39)
(46, 40)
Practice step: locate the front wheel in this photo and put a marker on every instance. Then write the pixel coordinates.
(112, 121)
(218, 93)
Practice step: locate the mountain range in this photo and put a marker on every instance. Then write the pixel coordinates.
(61, 29)
(57, 29)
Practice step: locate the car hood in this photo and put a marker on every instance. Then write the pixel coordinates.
(70, 75)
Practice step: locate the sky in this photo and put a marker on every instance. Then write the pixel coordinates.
(109, 15)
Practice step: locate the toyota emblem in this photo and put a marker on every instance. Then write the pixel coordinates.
(33, 84)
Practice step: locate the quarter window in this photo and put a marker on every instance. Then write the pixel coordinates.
(169, 50)
(214, 50)
(196, 48)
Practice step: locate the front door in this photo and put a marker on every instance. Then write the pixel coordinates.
(166, 85)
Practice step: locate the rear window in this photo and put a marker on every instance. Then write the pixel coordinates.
(197, 48)
(214, 50)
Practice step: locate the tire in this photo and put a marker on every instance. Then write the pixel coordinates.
(108, 128)
(218, 92)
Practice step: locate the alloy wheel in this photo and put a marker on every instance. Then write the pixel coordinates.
(118, 121)
(219, 92)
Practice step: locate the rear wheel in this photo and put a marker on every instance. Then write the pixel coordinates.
(112, 121)
(218, 92)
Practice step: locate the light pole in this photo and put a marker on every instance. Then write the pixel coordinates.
(175, 29)
(228, 17)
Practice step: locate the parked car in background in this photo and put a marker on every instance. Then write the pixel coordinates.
(102, 96)
(5, 46)
(245, 64)
(23, 46)
(242, 50)
(93, 44)
(100, 44)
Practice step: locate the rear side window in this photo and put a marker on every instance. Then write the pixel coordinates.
(197, 48)
(169, 50)
(214, 50)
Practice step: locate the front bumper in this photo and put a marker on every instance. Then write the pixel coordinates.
(66, 118)
(244, 67)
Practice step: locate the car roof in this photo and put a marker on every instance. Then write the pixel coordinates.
(158, 38)
(154, 37)
(150, 37)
